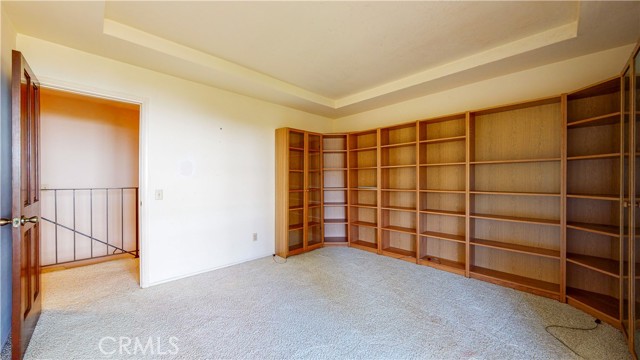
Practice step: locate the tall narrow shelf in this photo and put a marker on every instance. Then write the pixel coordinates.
(442, 189)
(398, 191)
(299, 200)
(594, 242)
(335, 181)
(515, 208)
(363, 174)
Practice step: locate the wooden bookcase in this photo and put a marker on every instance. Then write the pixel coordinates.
(540, 196)
(514, 202)
(299, 201)
(398, 191)
(364, 197)
(335, 162)
(594, 240)
(441, 200)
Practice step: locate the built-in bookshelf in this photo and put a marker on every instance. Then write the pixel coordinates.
(442, 189)
(594, 240)
(363, 177)
(335, 189)
(299, 198)
(398, 191)
(515, 217)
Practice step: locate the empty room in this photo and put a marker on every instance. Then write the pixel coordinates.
(319, 179)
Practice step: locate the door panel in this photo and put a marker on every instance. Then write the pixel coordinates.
(25, 113)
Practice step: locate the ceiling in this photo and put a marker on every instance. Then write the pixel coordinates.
(332, 58)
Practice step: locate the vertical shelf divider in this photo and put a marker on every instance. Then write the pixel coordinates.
(469, 156)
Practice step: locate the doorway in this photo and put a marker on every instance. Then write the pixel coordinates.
(90, 150)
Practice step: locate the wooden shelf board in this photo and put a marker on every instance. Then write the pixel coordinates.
(313, 223)
(369, 148)
(445, 164)
(608, 230)
(444, 236)
(335, 204)
(296, 226)
(443, 191)
(513, 193)
(443, 264)
(400, 229)
(316, 205)
(295, 171)
(606, 119)
(298, 207)
(516, 219)
(512, 280)
(335, 221)
(334, 151)
(602, 265)
(328, 188)
(364, 223)
(364, 206)
(295, 249)
(399, 252)
(364, 188)
(295, 190)
(443, 212)
(444, 139)
(530, 250)
(520, 161)
(293, 148)
(365, 244)
(594, 157)
(408, 143)
(363, 168)
(399, 190)
(398, 208)
(335, 169)
(604, 304)
(336, 240)
(397, 166)
(607, 197)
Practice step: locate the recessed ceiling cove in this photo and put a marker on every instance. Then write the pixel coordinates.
(333, 58)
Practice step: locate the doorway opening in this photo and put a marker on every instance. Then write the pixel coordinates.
(90, 196)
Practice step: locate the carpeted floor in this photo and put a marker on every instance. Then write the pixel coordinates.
(332, 303)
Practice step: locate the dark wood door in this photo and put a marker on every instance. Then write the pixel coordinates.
(25, 113)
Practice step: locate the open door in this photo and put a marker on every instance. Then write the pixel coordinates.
(25, 114)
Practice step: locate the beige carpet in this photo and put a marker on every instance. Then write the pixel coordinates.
(332, 303)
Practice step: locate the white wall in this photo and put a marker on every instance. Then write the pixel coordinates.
(87, 143)
(211, 151)
(544, 81)
(7, 43)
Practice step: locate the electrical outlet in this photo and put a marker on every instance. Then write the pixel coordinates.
(255, 236)
(159, 194)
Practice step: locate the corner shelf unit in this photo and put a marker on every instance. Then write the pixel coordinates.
(594, 240)
(335, 174)
(299, 200)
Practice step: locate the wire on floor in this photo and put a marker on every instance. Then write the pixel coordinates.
(598, 322)
(276, 261)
